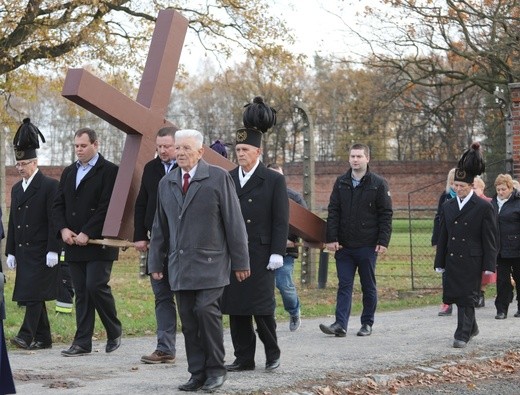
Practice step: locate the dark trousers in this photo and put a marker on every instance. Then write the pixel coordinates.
(506, 267)
(466, 323)
(244, 338)
(35, 325)
(165, 314)
(93, 294)
(201, 321)
(348, 260)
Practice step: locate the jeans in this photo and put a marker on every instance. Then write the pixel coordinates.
(285, 284)
(348, 260)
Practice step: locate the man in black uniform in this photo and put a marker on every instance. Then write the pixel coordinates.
(265, 209)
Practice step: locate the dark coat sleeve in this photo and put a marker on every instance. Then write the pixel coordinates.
(51, 188)
(334, 210)
(489, 238)
(280, 216)
(442, 242)
(437, 218)
(384, 214)
(141, 203)
(58, 208)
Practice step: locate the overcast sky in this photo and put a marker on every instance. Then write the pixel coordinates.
(319, 26)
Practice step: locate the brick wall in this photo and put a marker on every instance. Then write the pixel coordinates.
(402, 177)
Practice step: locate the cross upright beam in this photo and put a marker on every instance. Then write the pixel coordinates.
(140, 119)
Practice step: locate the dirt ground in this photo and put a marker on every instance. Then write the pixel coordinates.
(409, 352)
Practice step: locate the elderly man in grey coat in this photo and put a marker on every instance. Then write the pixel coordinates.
(198, 225)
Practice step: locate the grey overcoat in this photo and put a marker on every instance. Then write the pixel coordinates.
(203, 234)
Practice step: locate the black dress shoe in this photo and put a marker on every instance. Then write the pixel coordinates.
(192, 385)
(212, 383)
(334, 329)
(238, 367)
(113, 345)
(75, 351)
(501, 316)
(366, 330)
(517, 314)
(39, 345)
(19, 342)
(272, 365)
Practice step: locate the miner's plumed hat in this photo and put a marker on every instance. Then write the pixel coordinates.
(471, 164)
(258, 118)
(26, 140)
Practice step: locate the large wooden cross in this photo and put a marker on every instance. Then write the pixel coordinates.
(142, 118)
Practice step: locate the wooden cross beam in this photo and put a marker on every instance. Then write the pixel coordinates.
(142, 118)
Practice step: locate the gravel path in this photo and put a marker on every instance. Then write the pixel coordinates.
(402, 343)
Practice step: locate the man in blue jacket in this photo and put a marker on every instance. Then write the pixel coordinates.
(359, 226)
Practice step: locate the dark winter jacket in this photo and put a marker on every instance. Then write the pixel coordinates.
(362, 216)
(509, 226)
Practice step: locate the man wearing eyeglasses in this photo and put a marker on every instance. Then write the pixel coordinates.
(32, 245)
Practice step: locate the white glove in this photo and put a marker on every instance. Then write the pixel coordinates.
(439, 270)
(52, 259)
(275, 262)
(11, 261)
(488, 272)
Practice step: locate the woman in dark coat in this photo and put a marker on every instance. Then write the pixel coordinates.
(449, 193)
(507, 205)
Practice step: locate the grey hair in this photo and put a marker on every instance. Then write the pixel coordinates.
(184, 133)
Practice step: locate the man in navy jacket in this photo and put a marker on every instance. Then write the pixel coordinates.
(359, 226)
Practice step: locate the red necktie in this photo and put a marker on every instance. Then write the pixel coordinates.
(186, 183)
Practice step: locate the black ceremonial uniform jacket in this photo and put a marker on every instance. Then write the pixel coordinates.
(467, 247)
(30, 236)
(265, 208)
